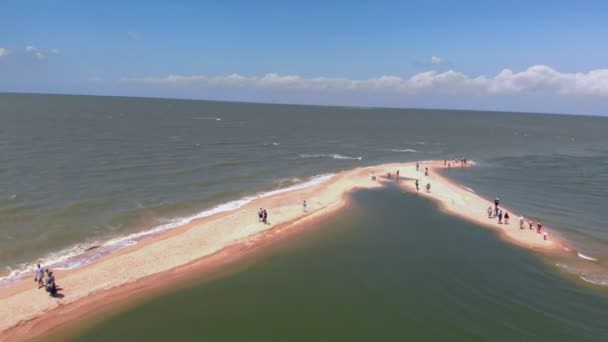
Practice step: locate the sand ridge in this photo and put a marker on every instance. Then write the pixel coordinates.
(23, 306)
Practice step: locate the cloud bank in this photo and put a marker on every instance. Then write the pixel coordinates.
(536, 80)
(4, 52)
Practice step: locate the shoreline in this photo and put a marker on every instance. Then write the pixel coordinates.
(204, 245)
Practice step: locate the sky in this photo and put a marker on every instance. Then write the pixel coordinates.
(531, 56)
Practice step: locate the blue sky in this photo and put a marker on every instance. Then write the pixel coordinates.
(383, 53)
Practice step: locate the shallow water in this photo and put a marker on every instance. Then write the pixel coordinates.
(82, 172)
(390, 267)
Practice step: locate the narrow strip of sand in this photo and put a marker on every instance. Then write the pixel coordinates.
(28, 312)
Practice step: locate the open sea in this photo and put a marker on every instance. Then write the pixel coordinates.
(82, 176)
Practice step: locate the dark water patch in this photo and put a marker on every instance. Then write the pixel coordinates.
(391, 267)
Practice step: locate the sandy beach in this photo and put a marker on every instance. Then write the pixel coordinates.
(208, 244)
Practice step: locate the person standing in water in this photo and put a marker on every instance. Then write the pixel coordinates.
(417, 166)
(428, 187)
(304, 206)
(39, 276)
(417, 187)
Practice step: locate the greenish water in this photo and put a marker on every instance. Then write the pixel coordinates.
(391, 267)
(83, 176)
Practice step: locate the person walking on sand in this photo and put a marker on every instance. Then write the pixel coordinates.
(260, 215)
(499, 216)
(426, 171)
(417, 166)
(490, 211)
(417, 187)
(304, 206)
(397, 174)
(39, 276)
(265, 215)
(539, 227)
(506, 217)
(522, 220)
(445, 161)
(428, 187)
(531, 224)
(496, 201)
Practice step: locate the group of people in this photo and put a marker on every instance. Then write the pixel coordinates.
(498, 213)
(48, 283)
(263, 215)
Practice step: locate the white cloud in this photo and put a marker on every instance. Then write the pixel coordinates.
(437, 60)
(4, 52)
(40, 53)
(35, 51)
(536, 80)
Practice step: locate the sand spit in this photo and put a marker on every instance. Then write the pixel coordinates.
(27, 312)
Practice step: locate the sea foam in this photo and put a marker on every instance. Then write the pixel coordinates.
(330, 155)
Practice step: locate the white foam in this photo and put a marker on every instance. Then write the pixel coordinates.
(595, 281)
(328, 155)
(403, 150)
(583, 256)
(206, 118)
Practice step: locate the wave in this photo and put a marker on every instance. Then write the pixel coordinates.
(403, 150)
(327, 155)
(206, 118)
(599, 282)
(586, 257)
(85, 253)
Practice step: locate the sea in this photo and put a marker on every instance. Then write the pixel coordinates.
(83, 176)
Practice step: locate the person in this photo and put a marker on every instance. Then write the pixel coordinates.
(428, 187)
(490, 211)
(373, 177)
(417, 187)
(506, 217)
(304, 206)
(417, 166)
(260, 215)
(465, 161)
(39, 276)
(496, 201)
(397, 174)
(445, 161)
(531, 224)
(539, 227)
(499, 216)
(449, 166)
(522, 220)
(51, 288)
(265, 217)
(426, 171)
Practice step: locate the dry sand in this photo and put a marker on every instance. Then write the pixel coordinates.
(168, 259)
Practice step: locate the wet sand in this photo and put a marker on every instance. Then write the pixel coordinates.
(208, 244)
